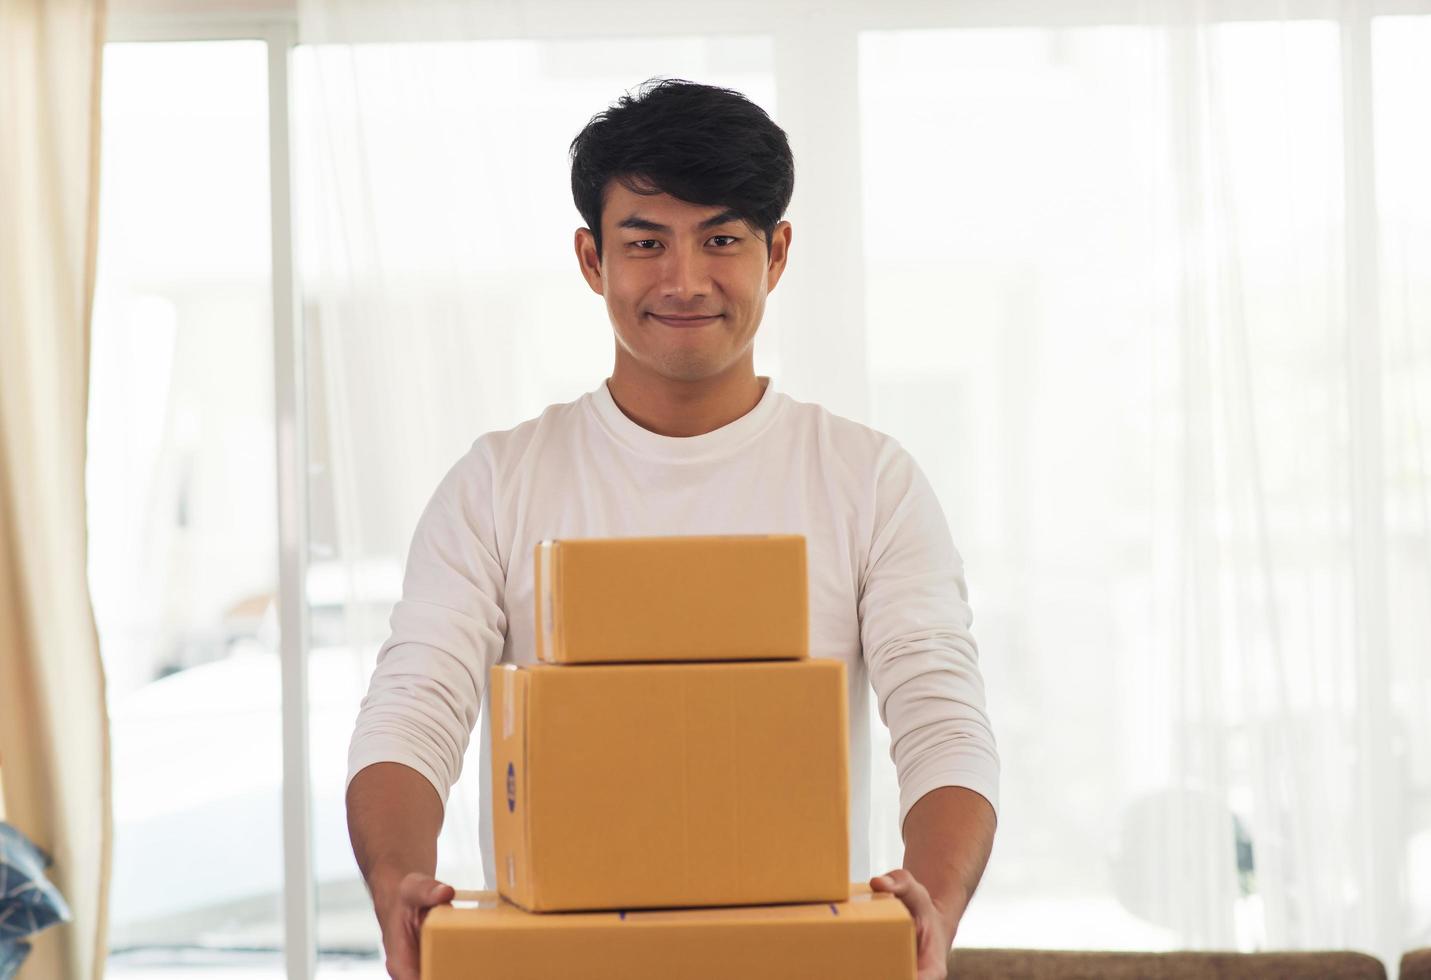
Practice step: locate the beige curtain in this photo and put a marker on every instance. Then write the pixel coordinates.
(54, 741)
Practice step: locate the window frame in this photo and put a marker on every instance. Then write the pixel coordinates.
(279, 38)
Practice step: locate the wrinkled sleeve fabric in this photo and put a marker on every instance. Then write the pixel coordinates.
(915, 631)
(446, 631)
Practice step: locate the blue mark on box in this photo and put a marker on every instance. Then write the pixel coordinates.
(511, 788)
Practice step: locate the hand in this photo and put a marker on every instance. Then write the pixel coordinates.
(933, 926)
(401, 911)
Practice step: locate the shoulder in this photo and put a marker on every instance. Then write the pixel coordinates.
(855, 444)
(504, 449)
(501, 455)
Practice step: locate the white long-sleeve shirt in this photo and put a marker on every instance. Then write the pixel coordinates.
(887, 591)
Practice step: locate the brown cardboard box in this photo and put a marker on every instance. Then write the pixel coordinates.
(867, 937)
(662, 599)
(626, 786)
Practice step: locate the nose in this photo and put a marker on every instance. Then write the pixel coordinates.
(685, 277)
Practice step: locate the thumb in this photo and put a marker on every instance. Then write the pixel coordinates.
(421, 891)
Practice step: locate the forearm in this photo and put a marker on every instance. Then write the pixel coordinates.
(948, 835)
(394, 816)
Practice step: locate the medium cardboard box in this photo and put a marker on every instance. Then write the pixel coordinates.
(624, 786)
(867, 937)
(662, 599)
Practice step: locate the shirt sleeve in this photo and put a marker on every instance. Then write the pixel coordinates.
(447, 630)
(914, 628)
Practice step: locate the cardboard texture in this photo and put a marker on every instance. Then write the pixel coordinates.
(670, 785)
(664, 599)
(867, 937)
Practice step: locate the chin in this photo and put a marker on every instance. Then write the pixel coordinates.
(687, 374)
(688, 368)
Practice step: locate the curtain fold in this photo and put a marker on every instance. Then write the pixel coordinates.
(54, 742)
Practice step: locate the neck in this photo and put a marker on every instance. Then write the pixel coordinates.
(685, 408)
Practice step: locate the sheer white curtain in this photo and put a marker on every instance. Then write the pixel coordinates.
(1146, 290)
(1171, 396)
(441, 299)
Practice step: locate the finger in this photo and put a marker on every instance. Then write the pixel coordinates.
(403, 922)
(902, 876)
(439, 895)
(420, 891)
(894, 876)
(402, 960)
(415, 888)
(884, 882)
(937, 971)
(908, 890)
(898, 882)
(932, 961)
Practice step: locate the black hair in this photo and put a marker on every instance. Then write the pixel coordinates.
(699, 143)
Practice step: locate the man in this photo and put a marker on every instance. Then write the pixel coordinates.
(683, 189)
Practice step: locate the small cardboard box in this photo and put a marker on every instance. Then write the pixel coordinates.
(867, 937)
(625, 786)
(662, 599)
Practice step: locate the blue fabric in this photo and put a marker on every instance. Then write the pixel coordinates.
(12, 954)
(28, 901)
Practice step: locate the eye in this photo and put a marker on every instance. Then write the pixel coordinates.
(731, 238)
(643, 243)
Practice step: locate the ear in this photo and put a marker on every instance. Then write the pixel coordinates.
(589, 260)
(779, 253)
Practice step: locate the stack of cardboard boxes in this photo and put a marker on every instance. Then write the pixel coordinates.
(671, 782)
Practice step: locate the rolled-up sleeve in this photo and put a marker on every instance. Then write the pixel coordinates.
(445, 632)
(915, 630)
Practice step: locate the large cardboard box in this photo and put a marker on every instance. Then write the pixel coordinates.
(668, 785)
(867, 937)
(663, 599)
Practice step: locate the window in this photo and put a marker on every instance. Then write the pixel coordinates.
(1034, 207)
(182, 519)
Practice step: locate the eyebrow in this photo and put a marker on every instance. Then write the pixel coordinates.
(642, 224)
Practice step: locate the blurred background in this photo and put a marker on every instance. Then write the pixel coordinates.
(1144, 286)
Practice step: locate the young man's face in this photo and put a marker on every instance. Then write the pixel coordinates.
(685, 284)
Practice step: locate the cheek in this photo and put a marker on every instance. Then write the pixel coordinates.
(626, 290)
(750, 301)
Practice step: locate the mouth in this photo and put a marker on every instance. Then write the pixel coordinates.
(686, 321)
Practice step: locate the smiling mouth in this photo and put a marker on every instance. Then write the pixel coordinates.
(686, 321)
